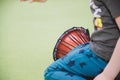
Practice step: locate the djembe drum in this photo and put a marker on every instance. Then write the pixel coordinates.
(70, 39)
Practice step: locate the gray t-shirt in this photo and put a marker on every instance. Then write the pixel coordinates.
(106, 34)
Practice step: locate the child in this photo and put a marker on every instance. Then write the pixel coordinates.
(100, 57)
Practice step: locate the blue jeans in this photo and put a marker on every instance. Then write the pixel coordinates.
(80, 64)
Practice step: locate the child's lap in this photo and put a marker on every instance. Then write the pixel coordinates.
(81, 61)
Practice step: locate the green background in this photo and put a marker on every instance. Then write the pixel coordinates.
(29, 31)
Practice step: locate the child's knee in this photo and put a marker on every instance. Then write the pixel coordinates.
(54, 67)
(48, 72)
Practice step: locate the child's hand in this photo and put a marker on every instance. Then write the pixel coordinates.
(102, 77)
(35, 0)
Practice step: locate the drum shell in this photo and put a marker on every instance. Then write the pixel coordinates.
(69, 40)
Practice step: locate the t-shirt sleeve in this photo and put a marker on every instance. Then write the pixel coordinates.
(114, 7)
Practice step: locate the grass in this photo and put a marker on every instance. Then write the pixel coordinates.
(29, 31)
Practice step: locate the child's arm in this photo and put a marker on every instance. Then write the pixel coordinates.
(113, 67)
